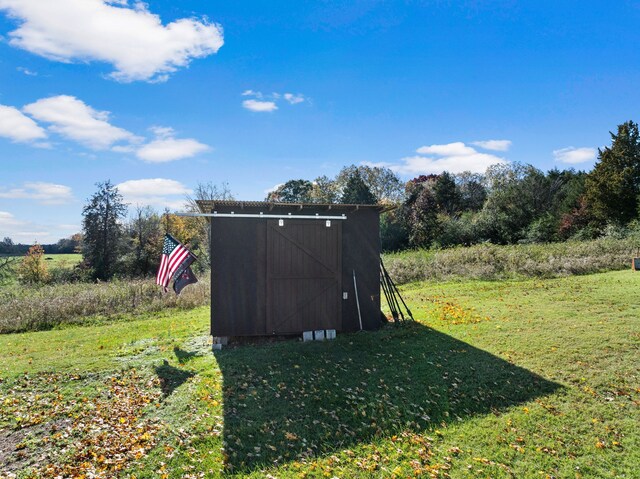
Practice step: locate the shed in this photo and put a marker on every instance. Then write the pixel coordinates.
(285, 268)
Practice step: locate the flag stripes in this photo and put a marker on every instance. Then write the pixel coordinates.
(174, 255)
(162, 270)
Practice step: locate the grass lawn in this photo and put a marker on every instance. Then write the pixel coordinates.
(511, 379)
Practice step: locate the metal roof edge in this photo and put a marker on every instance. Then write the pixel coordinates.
(208, 205)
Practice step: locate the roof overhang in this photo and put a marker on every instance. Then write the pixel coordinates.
(207, 206)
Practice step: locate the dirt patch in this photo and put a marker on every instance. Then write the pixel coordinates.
(17, 446)
(12, 456)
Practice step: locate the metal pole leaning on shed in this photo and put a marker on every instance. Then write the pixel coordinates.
(388, 296)
(355, 287)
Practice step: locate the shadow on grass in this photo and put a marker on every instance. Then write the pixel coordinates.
(171, 377)
(184, 356)
(288, 401)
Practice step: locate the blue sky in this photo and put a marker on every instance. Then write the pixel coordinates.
(160, 96)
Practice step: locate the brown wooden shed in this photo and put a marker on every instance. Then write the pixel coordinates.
(284, 268)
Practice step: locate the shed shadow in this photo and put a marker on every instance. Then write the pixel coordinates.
(171, 378)
(184, 356)
(298, 400)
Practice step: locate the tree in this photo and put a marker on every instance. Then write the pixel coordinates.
(518, 195)
(420, 211)
(179, 227)
(77, 239)
(471, 190)
(394, 234)
(33, 269)
(357, 192)
(199, 228)
(575, 221)
(102, 230)
(325, 190)
(208, 192)
(145, 237)
(6, 246)
(382, 182)
(293, 191)
(6, 266)
(612, 189)
(446, 194)
(68, 245)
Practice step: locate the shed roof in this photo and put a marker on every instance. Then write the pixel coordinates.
(209, 205)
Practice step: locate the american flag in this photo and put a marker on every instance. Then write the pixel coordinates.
(175, 257)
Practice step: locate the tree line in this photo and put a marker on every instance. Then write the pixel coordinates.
(68, 245)
(510, 203)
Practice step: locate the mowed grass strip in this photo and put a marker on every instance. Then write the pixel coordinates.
(511, 379)
(96, 348)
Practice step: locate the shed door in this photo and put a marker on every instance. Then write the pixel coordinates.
(304, 275)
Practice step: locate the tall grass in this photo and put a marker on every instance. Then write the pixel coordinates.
(494, 262)
(28, 308)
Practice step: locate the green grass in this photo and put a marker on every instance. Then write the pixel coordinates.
(66, 261)
(62, 260)
(511, 379)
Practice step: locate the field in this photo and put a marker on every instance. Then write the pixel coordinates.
(511, 379)
(52, 261)
(62, 260)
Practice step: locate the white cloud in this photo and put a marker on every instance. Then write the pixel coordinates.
(27, 72)
(574, 156)
(75, 120)
(294, 99)
(151, 187)
(132, 39)
(121, 149)
(256, 94)
(162, 131)
(158, 192)
(454, 157)
(262, 103)
(377, 164)
(256, 105)
(18, 127)
(165, 148)
(450, 149)
(42, 192)
(7, 219)
(22, 231)
(494, 145)
(418, 165)
(273, 188)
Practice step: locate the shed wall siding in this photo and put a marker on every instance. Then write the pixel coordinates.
(234, 277)
(242, 291)
(361, 252)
